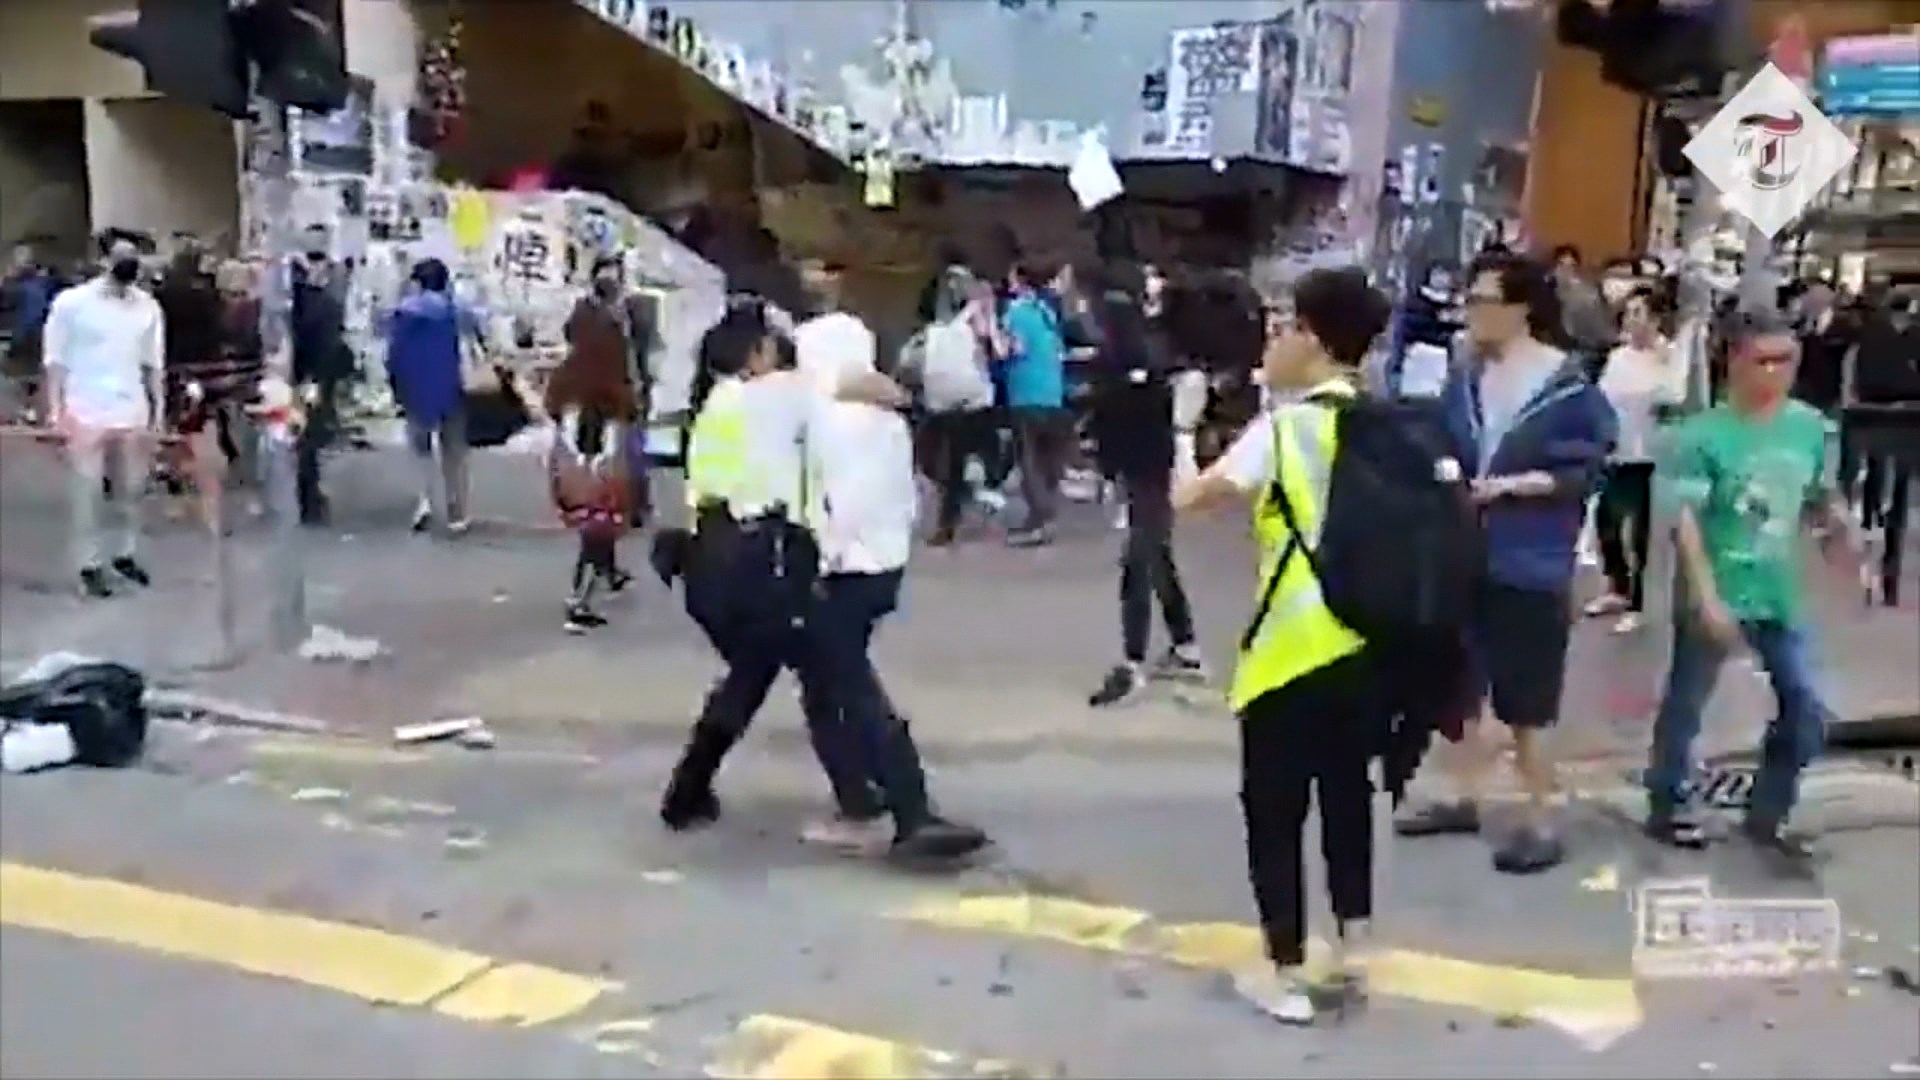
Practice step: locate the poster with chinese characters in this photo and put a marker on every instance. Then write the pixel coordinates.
(1207, 63)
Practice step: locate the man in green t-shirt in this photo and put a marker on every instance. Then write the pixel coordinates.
(1746, 476)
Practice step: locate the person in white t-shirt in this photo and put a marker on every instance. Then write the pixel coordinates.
(1645, 376)
(104, 347)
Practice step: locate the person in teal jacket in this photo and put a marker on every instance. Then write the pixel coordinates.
(1036, 400)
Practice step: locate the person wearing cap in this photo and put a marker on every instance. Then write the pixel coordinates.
(1747, 476)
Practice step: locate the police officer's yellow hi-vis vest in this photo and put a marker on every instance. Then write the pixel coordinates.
(717, 469)
(1296, 634)
(722, 468)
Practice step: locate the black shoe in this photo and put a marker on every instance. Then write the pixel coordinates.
(132, 571)
(422, 518)
(689, 806)
(315, 515)
(93, 584)
(1121, 684)
(618, 580)
(941, 538)
(938, 839)
(1529, 851)
(1778, 840)
(581, 618)
(1676, 828)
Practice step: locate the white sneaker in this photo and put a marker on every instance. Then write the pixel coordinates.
(459, 528)
(991, 499)
(1281, 993)
(848, 836)
(1627, 624)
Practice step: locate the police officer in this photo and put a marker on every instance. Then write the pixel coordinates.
(1302, 684)
(750, 564)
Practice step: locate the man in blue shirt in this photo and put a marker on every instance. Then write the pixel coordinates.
(28, 290)
(1036, 400)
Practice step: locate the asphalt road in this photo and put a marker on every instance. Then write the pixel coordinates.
(1090, 944)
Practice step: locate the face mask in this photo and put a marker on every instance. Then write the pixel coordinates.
(606, 288)
(125, 271)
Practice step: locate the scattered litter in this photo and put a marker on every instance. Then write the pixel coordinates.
(1512, 1021)
(1605, 879)
(480, 738)
(1901, 979)
(622, 1036)
(387, 806)
(500, 597)
(69, 708)
(1852, 991)
(325, 643)
(466, 841)
(1866, 972)
(435, 730)
(28, 748)
(179, 705)
(1708, 1066)
(1905, 1068)
(336, 822)
(319, 794)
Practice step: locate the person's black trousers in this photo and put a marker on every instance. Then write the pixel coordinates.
(1147, 569)
(847, 704)
(1622, 521)
(956, 437)
(758, 625)
(315, 436)
(1319, 731)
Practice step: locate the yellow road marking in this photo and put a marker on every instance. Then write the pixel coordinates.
(766, 1047)
(1596, 1011)
(361, 962)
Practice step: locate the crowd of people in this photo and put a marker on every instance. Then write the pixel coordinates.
(1419, 477)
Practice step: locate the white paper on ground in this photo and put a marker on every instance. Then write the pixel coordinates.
(29, 747)
(1093, 178)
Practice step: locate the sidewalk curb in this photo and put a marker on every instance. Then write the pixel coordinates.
(191, 706)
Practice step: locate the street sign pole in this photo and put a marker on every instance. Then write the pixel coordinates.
(270, 198)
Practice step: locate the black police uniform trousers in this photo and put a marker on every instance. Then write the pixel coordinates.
(750, 585)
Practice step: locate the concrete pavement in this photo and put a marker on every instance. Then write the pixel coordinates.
(285, 907)
(992, 653)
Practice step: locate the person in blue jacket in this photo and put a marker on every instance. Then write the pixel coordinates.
(1533, 433)
(425, 366)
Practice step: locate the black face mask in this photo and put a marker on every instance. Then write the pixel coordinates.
(125, 271)
(606, 289)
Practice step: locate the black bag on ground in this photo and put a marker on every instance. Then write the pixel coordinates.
(1401, 550)
(495, 415)
(102, 705)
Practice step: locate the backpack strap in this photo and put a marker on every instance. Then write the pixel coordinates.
(1296, 537)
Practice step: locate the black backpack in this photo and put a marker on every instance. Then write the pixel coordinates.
(1401, 550)
(102, 705)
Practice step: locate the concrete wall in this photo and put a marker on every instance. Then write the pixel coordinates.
(147, 164)
(159, 167)
(44, 52)
(43, 174)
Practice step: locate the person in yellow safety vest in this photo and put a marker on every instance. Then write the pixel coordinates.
(1303, 685)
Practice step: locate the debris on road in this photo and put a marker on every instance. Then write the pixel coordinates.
(1605, 879)
(180, 705)
(319, 794)
(67, 708)
(325, 643)
(465, 729)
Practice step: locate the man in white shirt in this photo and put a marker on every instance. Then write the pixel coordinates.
(104, 345)
(865, 500)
